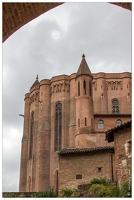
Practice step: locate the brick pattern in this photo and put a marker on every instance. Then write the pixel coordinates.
(15, 15)
(70, 165)
(42, 100)
(122, 162)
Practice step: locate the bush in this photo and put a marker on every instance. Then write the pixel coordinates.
(98, 181)
(12, 195)
(45, 193)
(99, 190)
(66, 192)
(125, 189)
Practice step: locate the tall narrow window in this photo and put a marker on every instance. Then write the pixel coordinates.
(115, 106)
(58, 127)
(118, 122)
(85, 121)
(78, 88)
(78, 122)
(100, 125)
(90, 89)
(31, 135)
(84, 87)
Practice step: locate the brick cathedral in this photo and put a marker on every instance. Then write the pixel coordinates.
(66, 118)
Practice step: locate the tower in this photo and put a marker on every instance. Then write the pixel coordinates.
(43, 137)
(24, 146)
(84, 104)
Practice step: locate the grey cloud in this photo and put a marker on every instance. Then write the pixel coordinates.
(99, 30)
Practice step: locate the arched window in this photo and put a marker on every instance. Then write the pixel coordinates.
(31, 135)
(100, 125)
(78, 88)
(118, 122)
(58, 127)
(115, 106)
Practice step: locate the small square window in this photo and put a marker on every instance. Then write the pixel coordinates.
(78, 176)
(99, 169)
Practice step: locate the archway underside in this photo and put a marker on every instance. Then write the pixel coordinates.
(16, 15)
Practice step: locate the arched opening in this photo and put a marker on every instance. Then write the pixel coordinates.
(118, 122)
(100, 125)
(115, 106)
(58, 127)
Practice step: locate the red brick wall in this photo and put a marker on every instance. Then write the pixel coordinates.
(63, 89)
(85, 165)
(122, 162)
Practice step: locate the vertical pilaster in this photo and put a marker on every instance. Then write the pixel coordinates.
(24, 146)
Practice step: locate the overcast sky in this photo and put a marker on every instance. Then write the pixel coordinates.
(51, 45)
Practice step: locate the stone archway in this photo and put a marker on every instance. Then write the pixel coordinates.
(16, 15)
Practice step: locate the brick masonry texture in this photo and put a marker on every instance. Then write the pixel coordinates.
(122, 162)
(81, 107)
(85, 164)
(15, 15)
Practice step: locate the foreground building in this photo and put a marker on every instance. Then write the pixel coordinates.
(71, 112)
(122, 138)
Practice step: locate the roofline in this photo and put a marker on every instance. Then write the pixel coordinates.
(110, 133)
(112, 115)
(67, 151)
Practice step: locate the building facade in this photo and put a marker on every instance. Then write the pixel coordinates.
(122, 138)
(69, 112)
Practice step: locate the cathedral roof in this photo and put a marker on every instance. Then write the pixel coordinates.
(85, 150)
(36, 82)
(83, 68)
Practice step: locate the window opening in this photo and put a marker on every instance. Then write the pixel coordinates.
(58, 127)
(84, 86)
(78, 88)
(78, 176)
(115, 106)
(31, 135)
(100, 125)
(118, 122)
(85, 121)
(90, 89)
(99, 169)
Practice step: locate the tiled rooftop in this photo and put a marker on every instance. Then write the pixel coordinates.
(110, 133)
(85, 150)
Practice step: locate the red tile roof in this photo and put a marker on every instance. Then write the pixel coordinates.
(85, 150)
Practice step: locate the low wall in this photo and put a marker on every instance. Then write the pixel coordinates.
(18, 194)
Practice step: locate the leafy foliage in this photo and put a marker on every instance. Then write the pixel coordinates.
(12, 195)
(104, 188)
(125, 190)
(99, 181)
(45, 193)
(100, 190)
(66, 192)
